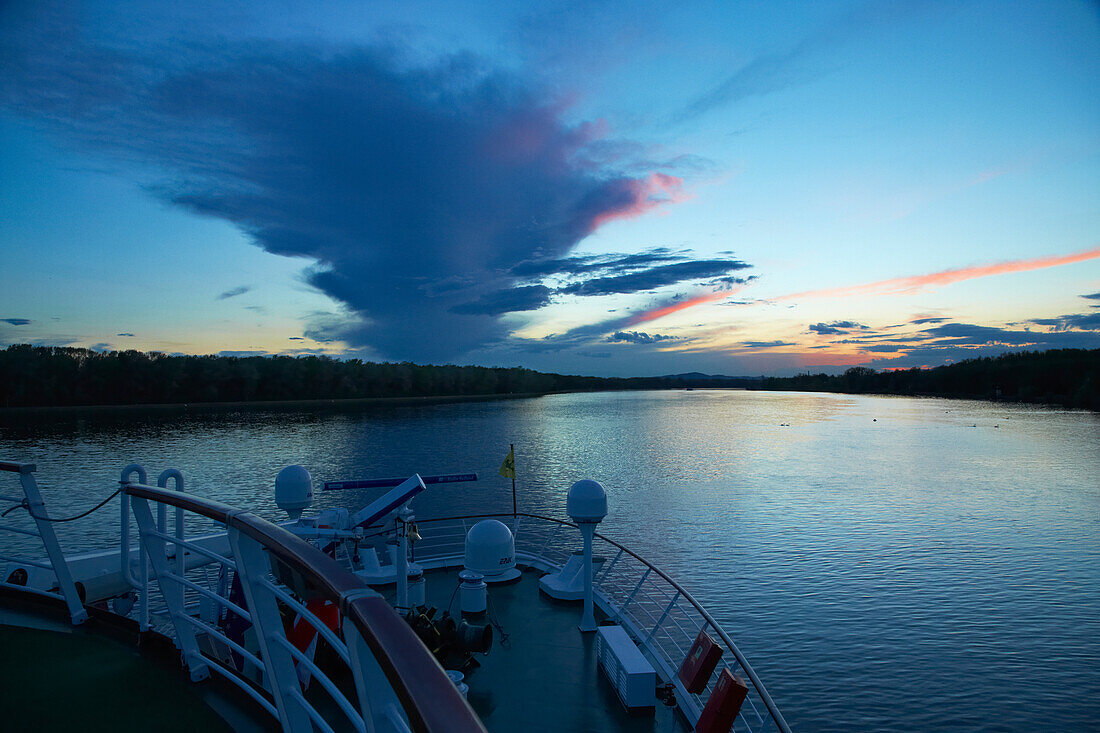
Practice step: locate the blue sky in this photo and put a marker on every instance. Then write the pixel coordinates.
(596, 188)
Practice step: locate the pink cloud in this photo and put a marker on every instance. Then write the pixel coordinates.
(919, 283)
(665, 310)
(643, 195)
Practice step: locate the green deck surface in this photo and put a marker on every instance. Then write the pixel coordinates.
(546, 678)
(56, 681)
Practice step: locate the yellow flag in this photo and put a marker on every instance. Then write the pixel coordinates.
(508, 468)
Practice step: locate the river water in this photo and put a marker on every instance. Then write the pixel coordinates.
(885, 563)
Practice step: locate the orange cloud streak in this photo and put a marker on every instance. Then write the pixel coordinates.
(916, 283)
(652, 315)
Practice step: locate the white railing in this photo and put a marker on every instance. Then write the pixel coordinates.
(55, 565)
(395, 684)
(661, 616)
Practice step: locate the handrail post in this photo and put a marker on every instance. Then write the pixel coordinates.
(549, 536)
(662, 618)
(619, 614)
(374, 690)
(162, 524)
(608, 569)
(401, 563)
(253, 565)
(185, 633)
(124, 508)
(37, 510)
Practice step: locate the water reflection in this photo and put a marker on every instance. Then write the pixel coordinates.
(884, 562)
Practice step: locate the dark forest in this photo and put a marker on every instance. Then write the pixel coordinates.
(41, 376)
(1069, 377)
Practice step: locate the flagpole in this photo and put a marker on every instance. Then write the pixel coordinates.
(512, 446)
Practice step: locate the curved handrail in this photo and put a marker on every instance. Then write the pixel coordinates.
(391, 640)
(773, 709)
(431, 701)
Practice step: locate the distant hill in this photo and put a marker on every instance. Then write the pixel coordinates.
(700, 377)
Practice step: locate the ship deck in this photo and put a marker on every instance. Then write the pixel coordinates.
(545, 678)
(103, 675)
(71, 680)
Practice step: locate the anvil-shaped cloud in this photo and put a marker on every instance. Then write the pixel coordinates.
(414, 189)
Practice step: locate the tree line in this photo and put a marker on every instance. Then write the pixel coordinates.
(1069, 377)
(44, 376)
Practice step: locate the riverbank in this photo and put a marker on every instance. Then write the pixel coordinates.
(1066, 377)
(63, 380)
(351, 404)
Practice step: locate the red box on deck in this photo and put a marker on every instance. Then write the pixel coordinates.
(699, 663)
(723, 705)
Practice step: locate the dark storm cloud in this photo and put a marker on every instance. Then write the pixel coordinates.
(526, 298)
(612, 274)
(948, 342)
(392, 178)
(587, 264)
(1092, 296)
(835, 328)
(886, 348)
(966, 334)
(128, 335)
(17, 321)
(1079, 321)
(954, 341)
(639, 337)
(657, 277)
(946, 351)
(766, 344)
(921, 321)
(234, 292)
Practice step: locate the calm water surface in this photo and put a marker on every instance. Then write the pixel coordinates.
(885, 563)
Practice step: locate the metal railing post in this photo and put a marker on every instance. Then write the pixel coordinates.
(549, 536)
(662, 618)
(156, 552)
(619, 614)
(253, 565)
(377, 702)
(124, 509)
(37, 510)
(162, 526)
(607, 570)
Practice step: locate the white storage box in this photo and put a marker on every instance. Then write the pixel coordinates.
(631, 674)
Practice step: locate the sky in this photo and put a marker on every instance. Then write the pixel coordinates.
(603, 188)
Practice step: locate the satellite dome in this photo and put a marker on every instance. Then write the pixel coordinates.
(293, 490)
(491, 550)
(587, 501)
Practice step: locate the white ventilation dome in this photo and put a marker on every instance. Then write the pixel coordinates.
(491, 551)
(587, 502)
(293, 490)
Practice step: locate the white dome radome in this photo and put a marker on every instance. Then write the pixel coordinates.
(586, 502)
(293, 490)
(490, 548)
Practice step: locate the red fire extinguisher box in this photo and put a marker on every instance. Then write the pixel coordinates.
(699, 663)
(723, 705)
